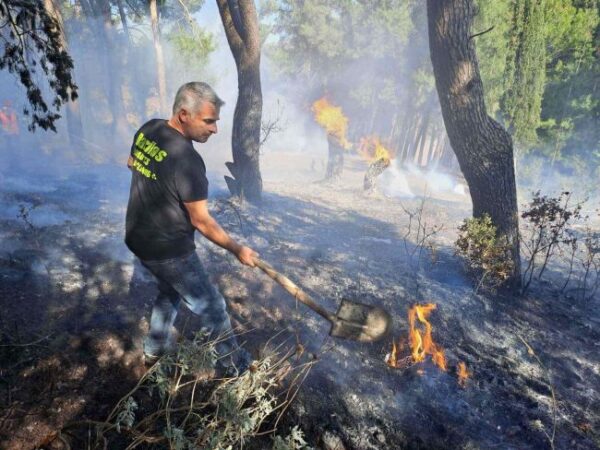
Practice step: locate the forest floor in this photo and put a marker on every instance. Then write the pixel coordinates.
(74, 306)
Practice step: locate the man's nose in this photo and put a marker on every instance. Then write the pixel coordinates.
(214, 129)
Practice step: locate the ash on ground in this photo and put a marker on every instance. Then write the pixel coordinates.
(75, 305)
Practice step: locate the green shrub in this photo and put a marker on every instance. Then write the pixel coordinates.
(179, 404)
(486, 254)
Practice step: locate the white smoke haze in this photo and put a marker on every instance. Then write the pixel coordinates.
(393, 183)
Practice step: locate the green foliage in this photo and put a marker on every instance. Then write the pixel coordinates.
(197, 411)
(293, 441)
(193, 48)
(33, 40)
(539, 65)
(525, 71)
(196, 47)
(352, 50)
(126, 415)
(484, 251)
(493, 48)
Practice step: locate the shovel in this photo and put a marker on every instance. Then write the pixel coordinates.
(356, 321)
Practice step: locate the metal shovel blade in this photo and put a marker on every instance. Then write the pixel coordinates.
(360, 322)
(353, 320)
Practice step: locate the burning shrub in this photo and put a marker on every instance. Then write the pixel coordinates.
(484, 251)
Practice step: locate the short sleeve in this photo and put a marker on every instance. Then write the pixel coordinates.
(190, 179)
(132, 149)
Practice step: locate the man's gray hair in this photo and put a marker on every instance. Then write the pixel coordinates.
(191, 95)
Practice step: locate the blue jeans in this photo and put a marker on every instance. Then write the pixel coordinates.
(183, 279)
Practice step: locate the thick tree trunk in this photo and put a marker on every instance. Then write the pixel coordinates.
(483, 148)
(160, 59)
(74, 125)
(375, 169)
(335, 159)
(240, 21)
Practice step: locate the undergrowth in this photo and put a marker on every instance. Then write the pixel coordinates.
(180, 405)
(485, 253)
(553, 231)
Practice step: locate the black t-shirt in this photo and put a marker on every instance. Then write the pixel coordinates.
(166, 172)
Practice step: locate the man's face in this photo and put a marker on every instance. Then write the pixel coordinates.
(200, 126)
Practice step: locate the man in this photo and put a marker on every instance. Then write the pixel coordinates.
(167, 203)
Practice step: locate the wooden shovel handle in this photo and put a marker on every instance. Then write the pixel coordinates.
(293, 289)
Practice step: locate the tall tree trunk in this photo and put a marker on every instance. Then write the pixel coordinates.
(74, 126)
(335, 160)
(124, 21)
(484, 149)
(420, 141)
(114, 71)
(160, 59)
(241, 28)
(413, 137)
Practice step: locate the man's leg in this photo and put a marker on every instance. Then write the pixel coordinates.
(188, 278)
(160, 338)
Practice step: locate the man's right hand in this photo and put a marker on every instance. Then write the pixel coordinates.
(246, 256)
(203, 221)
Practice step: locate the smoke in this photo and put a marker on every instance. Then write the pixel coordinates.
(408, 181)
(393, 183)
(286, 103)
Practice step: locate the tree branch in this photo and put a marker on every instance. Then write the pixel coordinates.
(235, 41)
(481, 33)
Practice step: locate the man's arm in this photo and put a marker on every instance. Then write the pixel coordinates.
(208, 226)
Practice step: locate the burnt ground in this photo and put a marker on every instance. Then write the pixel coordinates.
(73, 308)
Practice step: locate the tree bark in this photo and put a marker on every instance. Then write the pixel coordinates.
(375, 169)
(74, 125)
(240, 21)
(335, 159)
(160, 59)
(483, 148)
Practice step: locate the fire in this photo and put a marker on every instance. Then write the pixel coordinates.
(463, 374)
(392, 359)
(332, 119)
(372, 149)
(422, 344)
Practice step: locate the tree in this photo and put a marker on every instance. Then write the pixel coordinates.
(241, 28)
(160, 60)
(525, 73)
(483, 147)
(74, 126)
(32, 39)
(371, 58)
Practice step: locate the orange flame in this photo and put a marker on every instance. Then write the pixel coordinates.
(422, 344)
(463, 374)
(332, 119)
(372, 149)
(392, 359)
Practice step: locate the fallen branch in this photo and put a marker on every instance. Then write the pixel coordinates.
(29, 344)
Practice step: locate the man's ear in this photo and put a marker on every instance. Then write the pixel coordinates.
(183, 115)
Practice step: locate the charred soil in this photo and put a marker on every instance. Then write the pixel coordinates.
(74, 307)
